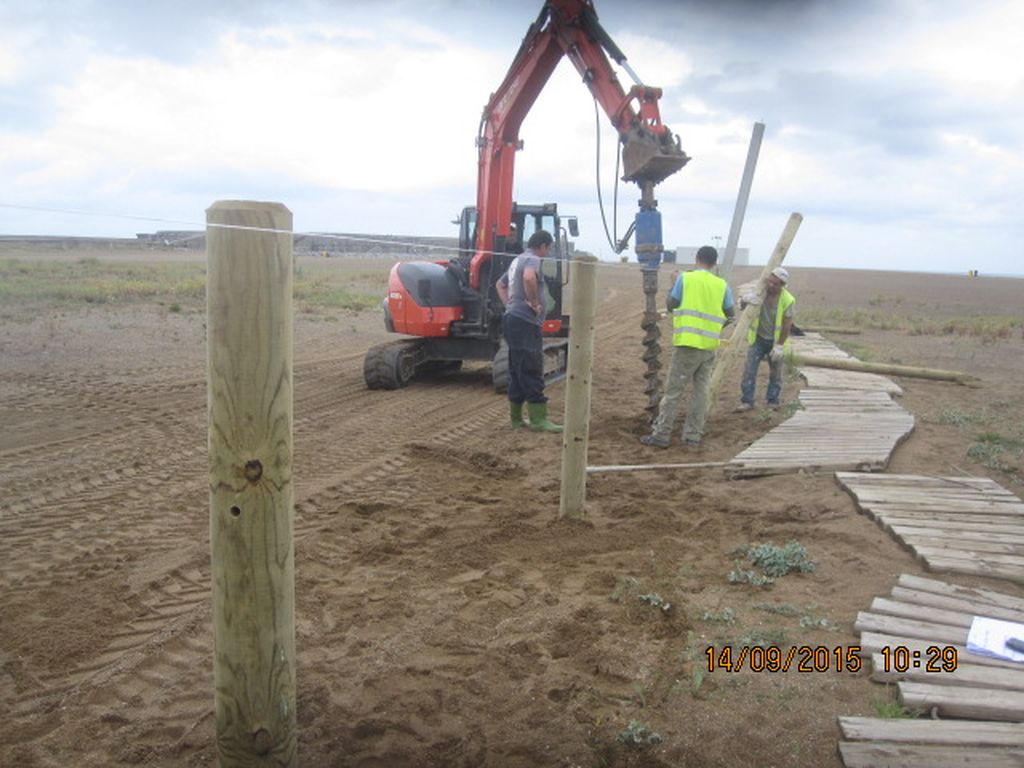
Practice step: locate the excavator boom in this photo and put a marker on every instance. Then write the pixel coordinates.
(569, 28)
(452, 309)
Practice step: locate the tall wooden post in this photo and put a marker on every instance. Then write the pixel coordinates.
(746, 183)
(249, 331)
(577, 391)
(737, 342)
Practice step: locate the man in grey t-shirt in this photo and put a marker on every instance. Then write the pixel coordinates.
(521, 289)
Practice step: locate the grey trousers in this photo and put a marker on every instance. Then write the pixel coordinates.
(688, 363)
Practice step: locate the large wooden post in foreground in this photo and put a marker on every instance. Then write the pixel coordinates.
(249, 332)
(576, 433)
(738, 339)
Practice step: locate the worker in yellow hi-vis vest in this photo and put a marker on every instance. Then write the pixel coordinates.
(767, 338)
(701, 304)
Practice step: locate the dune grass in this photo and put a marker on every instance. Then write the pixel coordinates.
(180, 286)
(984, 327)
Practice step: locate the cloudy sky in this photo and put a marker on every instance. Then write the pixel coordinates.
(894, 126)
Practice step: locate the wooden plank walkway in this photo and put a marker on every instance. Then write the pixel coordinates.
(978, 701)
(847, 422)
(951, 524)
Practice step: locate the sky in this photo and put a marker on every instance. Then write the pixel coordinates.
(895, 127)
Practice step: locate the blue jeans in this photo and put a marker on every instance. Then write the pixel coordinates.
(757, 352)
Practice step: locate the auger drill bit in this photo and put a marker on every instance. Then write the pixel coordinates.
(652, 348)
(649, 249)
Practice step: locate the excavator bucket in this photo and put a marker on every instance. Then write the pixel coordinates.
(648, 161)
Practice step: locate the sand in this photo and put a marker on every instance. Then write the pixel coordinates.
(445, 616)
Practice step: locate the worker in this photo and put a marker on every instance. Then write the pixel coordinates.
(521, 290)
(513, 243)
(767, 338)
(701, 304)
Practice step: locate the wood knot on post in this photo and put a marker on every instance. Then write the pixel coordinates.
(262, 742)
(253, 470)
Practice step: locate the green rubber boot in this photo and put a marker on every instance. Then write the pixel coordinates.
(516, 412)
(539, 418)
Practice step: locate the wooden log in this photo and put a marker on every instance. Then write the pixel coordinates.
(963, 701)
(938, 531)
(984, 484)
(873, 642)
(922, 613)
(924, 546)
(741, 200)
(737, 342)
(576, 434)
(644, 467)
(882, 368)
(975, 594)
(952, 526)
(831, 329)
(954, 604)
(966, 732)
(864, 754)
(1015, 561)
(924, 630)
(940, 564)
(943, 500)
(249, 330)
(971, 675)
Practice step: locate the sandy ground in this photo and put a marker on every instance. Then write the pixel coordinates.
(445, 615)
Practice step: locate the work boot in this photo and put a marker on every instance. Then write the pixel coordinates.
(539, 418)
(654, 441)
(516, 412)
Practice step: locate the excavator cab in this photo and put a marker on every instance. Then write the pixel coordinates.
(526, 219)
(453, 321)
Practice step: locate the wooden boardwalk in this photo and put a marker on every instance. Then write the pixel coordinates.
(976, 702)
(847, 422)
(952, 524)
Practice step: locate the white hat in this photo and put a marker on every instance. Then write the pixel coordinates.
(782, 274)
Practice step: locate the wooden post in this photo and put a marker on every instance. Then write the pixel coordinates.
(249, 330)
(738, 340)
(886, 369)
(647, 467)
(725, 270)
(577, 391)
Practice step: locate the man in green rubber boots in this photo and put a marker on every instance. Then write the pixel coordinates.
(521, 290)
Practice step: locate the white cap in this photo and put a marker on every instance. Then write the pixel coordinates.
(782, 274)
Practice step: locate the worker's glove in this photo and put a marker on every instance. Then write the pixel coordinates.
(776, 354)
(751, 299)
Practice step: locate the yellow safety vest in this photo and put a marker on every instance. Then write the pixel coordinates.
(786, 300)
(698, 321)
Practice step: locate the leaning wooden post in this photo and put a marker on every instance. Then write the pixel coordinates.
(737, 341)
(577, 391)
(249, 330)
(885, 369)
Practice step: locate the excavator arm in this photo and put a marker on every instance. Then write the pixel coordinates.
(650, 152)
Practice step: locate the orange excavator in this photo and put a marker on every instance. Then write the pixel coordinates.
(450, 308)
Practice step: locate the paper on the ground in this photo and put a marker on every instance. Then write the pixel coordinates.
(988, 637)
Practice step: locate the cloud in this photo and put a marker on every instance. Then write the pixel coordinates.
(891, 125)
(332, 107)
